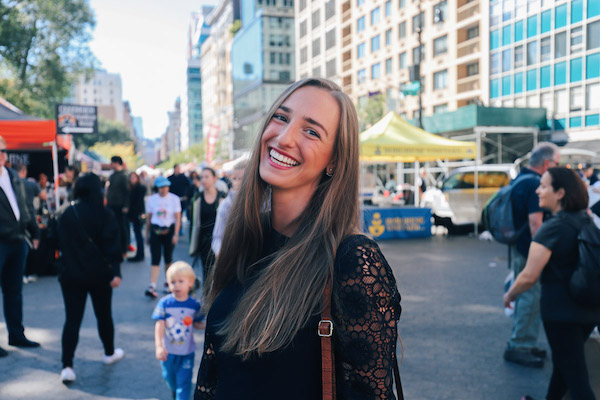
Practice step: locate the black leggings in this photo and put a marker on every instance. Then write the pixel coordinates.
(162, 243)
(75, 296)
(569, 372)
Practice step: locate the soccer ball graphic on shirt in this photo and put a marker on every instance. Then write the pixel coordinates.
(177, 331)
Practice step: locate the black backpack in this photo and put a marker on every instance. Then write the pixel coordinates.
(584, 284)
(497, 216)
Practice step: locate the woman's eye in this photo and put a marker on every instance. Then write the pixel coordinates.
(312, 132)
(280, 117)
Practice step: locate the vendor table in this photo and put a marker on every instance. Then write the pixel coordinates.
(396, 222)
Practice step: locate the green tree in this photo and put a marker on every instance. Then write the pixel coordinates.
(372, 111)
(125, 150)
(196, 153)
(43, 47)
(108, 131)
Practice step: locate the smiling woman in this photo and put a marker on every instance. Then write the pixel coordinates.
(291, 247)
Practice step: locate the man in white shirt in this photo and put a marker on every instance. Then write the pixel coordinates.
(16, 221)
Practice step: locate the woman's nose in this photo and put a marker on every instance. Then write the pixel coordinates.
(287, 135)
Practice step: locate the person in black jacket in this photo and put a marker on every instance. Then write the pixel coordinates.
(117, 198)
(16, 221)
(86, 267)
(137, 214)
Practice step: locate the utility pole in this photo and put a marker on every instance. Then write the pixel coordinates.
(418, 69)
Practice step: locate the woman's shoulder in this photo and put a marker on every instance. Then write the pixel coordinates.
(357, 250)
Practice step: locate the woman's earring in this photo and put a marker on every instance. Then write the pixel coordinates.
(329, 172)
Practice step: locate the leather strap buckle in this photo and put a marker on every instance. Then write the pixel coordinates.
(324, 329)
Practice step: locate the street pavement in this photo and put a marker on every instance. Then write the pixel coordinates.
(453, 332)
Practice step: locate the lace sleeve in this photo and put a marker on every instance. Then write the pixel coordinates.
(366, 307)
(206, 383)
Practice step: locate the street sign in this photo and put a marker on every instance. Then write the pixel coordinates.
(411, 89)
(73, 118)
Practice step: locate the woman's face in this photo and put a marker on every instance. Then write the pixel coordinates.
(297, 144)
(207, 179)
(133, 179)
(549, 199)
(236, 178)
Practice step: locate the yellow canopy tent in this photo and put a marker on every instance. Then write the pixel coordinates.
(393, 139)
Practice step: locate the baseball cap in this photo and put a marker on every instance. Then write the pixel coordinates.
(161, 181)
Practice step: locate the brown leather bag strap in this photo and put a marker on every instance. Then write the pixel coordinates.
(325, 331)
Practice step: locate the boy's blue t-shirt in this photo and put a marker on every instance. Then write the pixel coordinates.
(179, 317)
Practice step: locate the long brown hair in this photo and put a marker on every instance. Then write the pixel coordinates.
(289, 290)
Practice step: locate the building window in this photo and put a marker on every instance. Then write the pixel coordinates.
(388, 37)
(360, 24)
(388, 8)
(518, 82)
(591, 120)
(330, 68)
(316, 71)
(507, 9)
(375, 71)
(532, 79)
(576, 103)
(495, 14)
(506, 60)
(545, 77)
(473, 32)
(375, 15)
(593, 35)
(330, 39)
(560, 45)
(519, 57)
(362, 76)
(532, 52)
(440, 80)
(388, 66)
(545, 49)
(576, 70)
(402, 60)
(303, 28)
(576, 11)
(375, 43)
(316, 47)
(402, 30)
(574, 122)
(303, 55)
(546, 23)
(506, 86)
(577, 40)
(592, 66)
(592, 96)
(518, 31)
(302, 5)
(560, 73)
(360, 2)
(360, 50)
(593, 8)
(329, 9)
(440, 45)
(440, 12)
(494, 88)
(561, 101)
(418, 21)
(532, 26)
(401, 3)
(560, 16)
(473, 69)
(316, 18)
(495, 63)
(506, 35)
(494, 39)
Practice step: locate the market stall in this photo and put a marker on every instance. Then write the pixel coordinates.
(394, 140)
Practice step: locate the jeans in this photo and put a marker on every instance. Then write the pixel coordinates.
(13, 255)
(527, 318)
(139, 238)
(177, 371)
(569, 370)
(75, 296)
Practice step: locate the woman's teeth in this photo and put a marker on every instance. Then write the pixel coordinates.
(282, 160)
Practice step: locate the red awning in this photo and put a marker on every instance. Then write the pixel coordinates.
(27, 134)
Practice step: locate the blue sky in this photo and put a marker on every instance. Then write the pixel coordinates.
(145, 42)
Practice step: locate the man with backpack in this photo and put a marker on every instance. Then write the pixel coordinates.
(528, 217)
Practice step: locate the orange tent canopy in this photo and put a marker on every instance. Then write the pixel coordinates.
(27, 134)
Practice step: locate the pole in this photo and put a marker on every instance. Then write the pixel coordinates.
(55, 172)
(419, 31)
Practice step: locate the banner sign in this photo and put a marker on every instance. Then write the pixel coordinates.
(73, 118)
(397, 223)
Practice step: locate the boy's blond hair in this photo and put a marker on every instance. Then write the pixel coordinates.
(181, 268)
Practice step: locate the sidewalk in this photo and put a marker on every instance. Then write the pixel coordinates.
(34, 373)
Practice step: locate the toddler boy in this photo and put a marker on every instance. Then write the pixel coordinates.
(176, 315)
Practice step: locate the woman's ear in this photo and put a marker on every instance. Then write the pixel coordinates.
(560, 193)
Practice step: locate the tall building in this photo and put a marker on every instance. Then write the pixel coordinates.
(217, 108)
(103, 90)
(378, 40)
(547, 54)
(138, 126)
(191, 117)
(171, 139)
(262, 59)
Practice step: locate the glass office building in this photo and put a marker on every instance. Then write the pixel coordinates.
(262, 58)
(546, 53)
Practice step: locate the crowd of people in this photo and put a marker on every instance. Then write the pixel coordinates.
(289, 285)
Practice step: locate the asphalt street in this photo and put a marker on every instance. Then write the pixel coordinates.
(453, 332)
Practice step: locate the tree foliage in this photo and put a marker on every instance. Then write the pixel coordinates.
(195, 153)
(43, 46)
(125, 150)
(372, 111)
(112, 132)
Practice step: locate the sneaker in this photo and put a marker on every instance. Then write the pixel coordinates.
(32, 278)
(130, 248)
(523, 357)
(116, 356)
(151, 292)
(67, 375)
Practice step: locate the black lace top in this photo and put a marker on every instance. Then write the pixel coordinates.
(365, 309)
